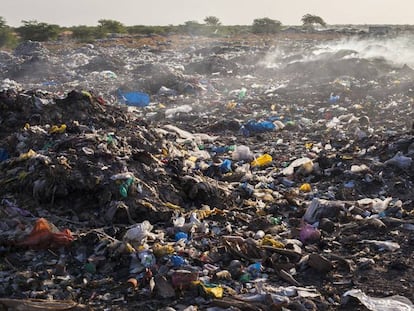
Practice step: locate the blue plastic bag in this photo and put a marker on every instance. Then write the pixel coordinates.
(133, 98)
(252, 127)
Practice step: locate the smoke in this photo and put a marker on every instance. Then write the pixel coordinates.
(396, 51)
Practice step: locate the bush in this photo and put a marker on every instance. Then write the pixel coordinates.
(84, 33)
(7, 37)
(266, 25)
(35, 31)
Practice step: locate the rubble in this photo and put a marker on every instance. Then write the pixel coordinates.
(240, 184)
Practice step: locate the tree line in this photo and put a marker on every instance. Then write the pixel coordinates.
(40, 31)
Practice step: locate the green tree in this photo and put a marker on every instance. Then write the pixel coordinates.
(83, 33)
(266, 25)
(106, 26)
(212, 21)
(7, 37)
(33, 30)
(193, 27)
(310, 20)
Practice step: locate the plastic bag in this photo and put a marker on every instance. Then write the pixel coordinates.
(392, 303)
(139, 232)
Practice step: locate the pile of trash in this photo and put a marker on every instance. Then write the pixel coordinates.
(208, 186)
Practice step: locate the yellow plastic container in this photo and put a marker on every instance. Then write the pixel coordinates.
(263, 160)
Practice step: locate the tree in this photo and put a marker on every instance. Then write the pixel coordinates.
(110, 26)
(212, 21)
(7, 38)
(33, 30)
(310, 20)
(83, 33)
(266, 25)
(192, 27)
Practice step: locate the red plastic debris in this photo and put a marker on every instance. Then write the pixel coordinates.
(46, 235)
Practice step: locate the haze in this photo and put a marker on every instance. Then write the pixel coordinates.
(230, 12)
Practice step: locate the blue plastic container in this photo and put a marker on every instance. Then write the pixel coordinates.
(136, 99)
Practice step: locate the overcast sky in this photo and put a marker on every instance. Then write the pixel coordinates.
(230, 12)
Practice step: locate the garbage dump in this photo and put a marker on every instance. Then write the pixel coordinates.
(206, 175)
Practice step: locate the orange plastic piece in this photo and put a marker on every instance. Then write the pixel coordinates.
(44, 235)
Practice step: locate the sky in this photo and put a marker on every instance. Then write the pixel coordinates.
(229, 12)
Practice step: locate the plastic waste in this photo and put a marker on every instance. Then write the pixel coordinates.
(181, 236)
(248, 188)
(305, 187)
(242, 153)
(400, 161)
(213, 290)
(139, 232)
(57, 129)
(45, 235)
(263, 160)
(4, 155)
(391, 303)
(383, 245)
(220, 149)
(172, 112)
(252, 127)
(162, 250)
(242, 93)
(177, 261)
(137, 99)
(147, 258)
(183, 279)
(225, 166)
(321, 208)
(333, 98)
(255, 269)
(310, 234)
(268, 240)
(375, 204)
(165, 91)
(124, 187)
(304, 163)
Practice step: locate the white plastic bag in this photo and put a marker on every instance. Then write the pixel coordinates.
(392, 303)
